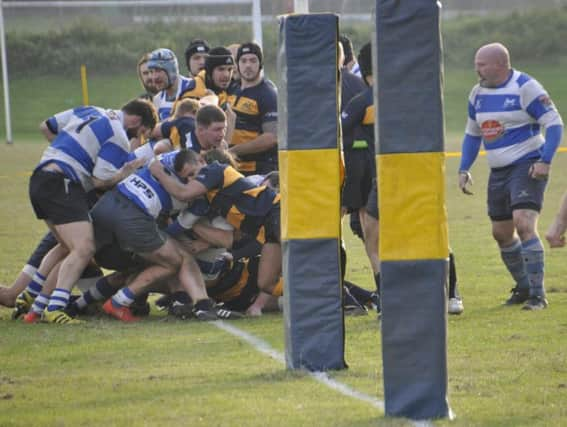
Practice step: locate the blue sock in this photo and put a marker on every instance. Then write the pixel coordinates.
(124, 297)
(59, 299)
(514, 262)
(36, 284)
(532, 250)
(40, 303)
(102, 290)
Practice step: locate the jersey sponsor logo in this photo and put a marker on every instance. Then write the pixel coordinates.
(248, 107)
(546, 102)
(112, 115)
(143, 189)
(491, 130)
(509, 103)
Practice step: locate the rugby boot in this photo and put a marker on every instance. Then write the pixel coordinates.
(205, 310)
(121, 313)
(31, 317)
(23, 304)
(535, 303)
(60, 317)
(226, 314)
(455, 306)
(519, 296)
(180, 310)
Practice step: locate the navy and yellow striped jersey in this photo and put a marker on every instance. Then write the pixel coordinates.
(234, 279)
(179, 131)
(199, 89)
(357, 120)
(236, 198)
(255, 106)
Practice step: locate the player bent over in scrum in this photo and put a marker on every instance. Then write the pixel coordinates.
(252, 209)
(128, 216)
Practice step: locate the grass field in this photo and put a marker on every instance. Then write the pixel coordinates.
(506, 367)
(36, 99)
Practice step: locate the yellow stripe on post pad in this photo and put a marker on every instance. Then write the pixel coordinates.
(310, 189)
(413, 217)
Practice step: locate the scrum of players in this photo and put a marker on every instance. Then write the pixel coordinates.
(176, 194)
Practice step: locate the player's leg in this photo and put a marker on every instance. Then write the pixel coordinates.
(269, 271)
(8, 295)
(504, 232)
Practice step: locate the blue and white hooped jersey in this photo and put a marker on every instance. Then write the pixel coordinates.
(509, 118)
(145, 152)
(90, 142)
(59, 121)
(164, 104)
(146, 191)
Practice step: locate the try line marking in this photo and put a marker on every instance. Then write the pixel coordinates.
(322, 377)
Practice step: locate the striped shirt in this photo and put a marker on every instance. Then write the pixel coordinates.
(509, 119)
(164, 103)
(90, 142)
(147, 193)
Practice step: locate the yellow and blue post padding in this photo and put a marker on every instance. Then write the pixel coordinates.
(309, 163)
(413, 247)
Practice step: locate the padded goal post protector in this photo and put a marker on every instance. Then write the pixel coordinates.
(309, 164)
(413, 220)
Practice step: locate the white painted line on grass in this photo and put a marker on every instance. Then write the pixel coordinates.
(257, 343)
(321, 377)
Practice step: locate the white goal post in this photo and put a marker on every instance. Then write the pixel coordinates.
(256, 14)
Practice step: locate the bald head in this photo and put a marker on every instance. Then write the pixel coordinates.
(492, 63)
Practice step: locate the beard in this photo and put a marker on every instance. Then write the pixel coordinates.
(132, 133)
(151, 89)
(249, 76)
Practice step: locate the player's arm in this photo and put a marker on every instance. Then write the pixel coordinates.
(158, 132)
(215, 236)
(183, 192)
(230, 121)
(470, 148)
(46, 131)
(263, 142)
(113, 163)
(268, 138)
(540, 106)
(51, 126)
(162, 132)
(127, 169)
(469, 153)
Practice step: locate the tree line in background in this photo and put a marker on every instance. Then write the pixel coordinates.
(533, 36)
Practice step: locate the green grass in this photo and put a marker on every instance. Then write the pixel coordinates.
(506, 367)
(34, 100)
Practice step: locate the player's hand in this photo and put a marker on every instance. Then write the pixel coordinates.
(555, 235)
(131, 166)
(230, 114)
(539, 170)
(465, 179)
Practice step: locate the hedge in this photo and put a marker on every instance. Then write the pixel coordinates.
(533, 36)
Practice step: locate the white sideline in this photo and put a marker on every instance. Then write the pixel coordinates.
(321, 377)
